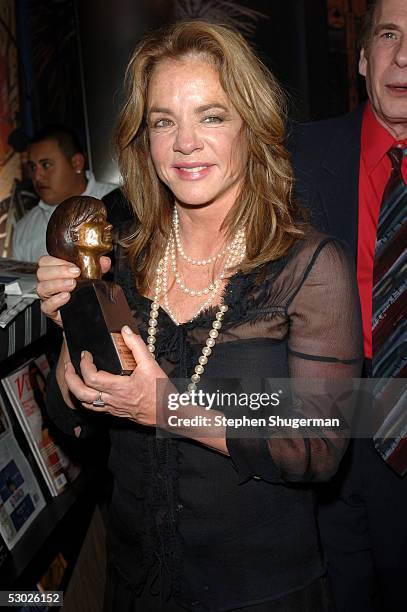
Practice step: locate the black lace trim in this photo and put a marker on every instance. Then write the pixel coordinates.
(162, 502)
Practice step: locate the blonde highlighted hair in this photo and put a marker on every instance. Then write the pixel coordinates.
(265, 206)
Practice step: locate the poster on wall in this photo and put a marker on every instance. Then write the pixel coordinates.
(40, 84)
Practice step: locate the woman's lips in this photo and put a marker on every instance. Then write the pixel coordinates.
(193, 172)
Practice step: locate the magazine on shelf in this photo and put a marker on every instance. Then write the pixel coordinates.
(19, 281)
(23, 287)
(15, 305)
(18, 277)
(26, 390)
(21, 499)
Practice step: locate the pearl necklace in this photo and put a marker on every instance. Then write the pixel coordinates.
(237, 250)
(180, 249)
(211, 291)
(161, 286)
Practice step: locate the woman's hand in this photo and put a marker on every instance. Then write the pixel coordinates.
(138, 397)
(132, 397)
(56, 280)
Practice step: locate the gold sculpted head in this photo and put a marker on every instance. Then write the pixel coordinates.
(79, 232)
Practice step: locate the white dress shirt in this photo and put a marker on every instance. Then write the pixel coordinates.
(29, 236)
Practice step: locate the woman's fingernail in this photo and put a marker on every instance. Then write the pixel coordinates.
(68, 282)
(82, 354)
(63, 296)
(127, 330)
(74, 270)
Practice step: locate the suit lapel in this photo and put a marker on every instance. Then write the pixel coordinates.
(339, 189)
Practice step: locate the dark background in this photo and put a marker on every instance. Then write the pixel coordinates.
(73, 54)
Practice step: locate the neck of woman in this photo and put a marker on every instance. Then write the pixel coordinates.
(200, 230)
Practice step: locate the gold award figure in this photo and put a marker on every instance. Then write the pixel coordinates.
(78, 231)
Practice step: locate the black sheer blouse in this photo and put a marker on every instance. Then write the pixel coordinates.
(219, 532)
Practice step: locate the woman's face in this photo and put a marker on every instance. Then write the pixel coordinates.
(196, 139)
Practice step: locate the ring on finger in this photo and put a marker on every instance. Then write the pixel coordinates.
(98, 402)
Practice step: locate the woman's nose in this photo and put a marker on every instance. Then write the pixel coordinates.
(187, 140)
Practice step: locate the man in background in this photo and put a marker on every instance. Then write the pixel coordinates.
(351, 171)
(56, 163)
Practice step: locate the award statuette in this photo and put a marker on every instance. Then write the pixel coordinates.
(97, 310)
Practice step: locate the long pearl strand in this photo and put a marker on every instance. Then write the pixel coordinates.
(236, 255)
(211, 291)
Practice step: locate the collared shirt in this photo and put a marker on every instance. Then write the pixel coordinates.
(375, 170)
(29, 236)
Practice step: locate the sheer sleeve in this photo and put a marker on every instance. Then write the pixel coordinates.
(324, 354)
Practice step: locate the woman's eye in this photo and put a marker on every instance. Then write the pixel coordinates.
(213, 119)
(162, 123)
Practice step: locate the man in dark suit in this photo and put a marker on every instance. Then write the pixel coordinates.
(342, 167)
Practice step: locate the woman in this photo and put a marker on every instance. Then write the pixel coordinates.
(227, 282)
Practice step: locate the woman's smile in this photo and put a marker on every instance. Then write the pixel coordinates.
(192, 171)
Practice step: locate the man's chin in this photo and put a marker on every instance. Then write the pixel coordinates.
(48, 201)
(393, 117)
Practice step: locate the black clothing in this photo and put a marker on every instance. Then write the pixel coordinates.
(120, 215)
(120, 596)
(214, 532)
(326, 159)
(362, 511)
(118, 208)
